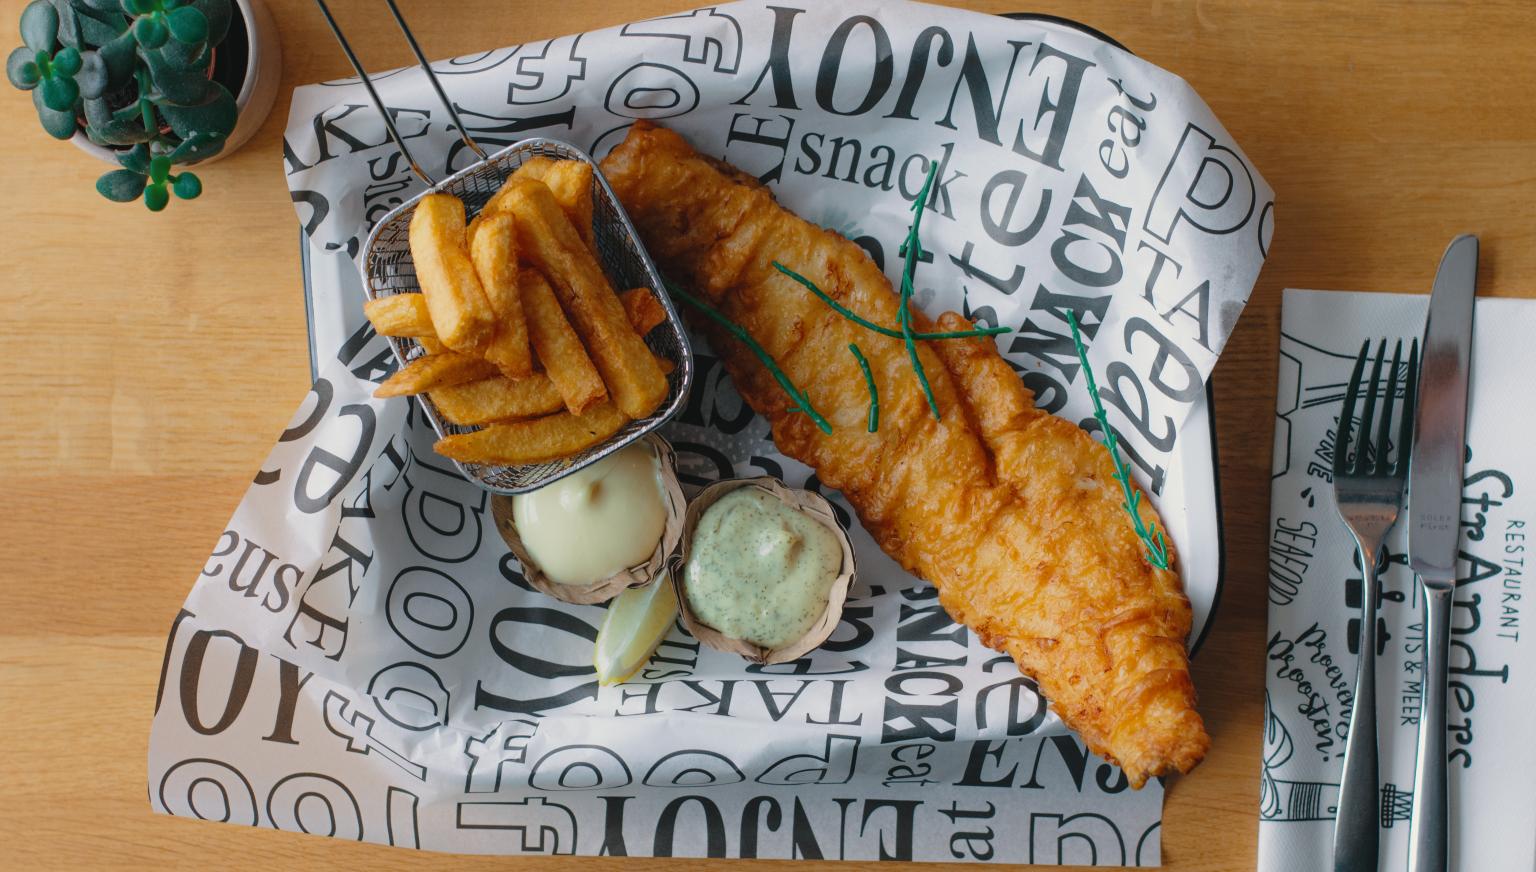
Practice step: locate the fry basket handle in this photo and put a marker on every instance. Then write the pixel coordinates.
(378, 102)
(437, 86)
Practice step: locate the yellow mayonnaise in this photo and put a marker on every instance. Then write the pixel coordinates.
(595, 522)
(759, 570)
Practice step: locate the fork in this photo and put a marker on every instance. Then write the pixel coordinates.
(1369, 492)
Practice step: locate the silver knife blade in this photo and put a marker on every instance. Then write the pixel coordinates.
(1440, 423)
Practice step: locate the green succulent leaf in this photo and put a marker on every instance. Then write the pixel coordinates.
(22, 70)
(219, 14)
(104, 126)
(186, 57)
(69, 26)
(187, 186)
(196, 148)
(121, 186)
(215, 116)
(99, 6)
(155, 196)
(168, 5)
(97, 26)
(60, 125)
(39, 25)
(136, 159)
(97, 112)
(67, 61)
(138, 7)
(117, 134)
(150, 33)
(120, 57)
(159, 168)
(92, 78)
(60, 94)
(187, 25)
(113, 135)
(181, 87)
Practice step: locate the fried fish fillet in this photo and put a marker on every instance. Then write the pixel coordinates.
(1011, 512)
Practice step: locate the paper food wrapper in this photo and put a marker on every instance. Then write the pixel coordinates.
(1314, 601)
(362, 658)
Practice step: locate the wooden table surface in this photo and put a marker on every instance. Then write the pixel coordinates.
(152, 361)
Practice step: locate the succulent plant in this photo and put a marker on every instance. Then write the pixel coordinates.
(134, 75)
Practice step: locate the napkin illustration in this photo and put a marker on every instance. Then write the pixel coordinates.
(1314, 600)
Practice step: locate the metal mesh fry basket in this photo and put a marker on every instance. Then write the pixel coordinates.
(387, 269)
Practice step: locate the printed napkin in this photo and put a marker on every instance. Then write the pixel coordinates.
(1314, 600)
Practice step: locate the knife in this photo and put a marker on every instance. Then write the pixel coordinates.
(1434, 529)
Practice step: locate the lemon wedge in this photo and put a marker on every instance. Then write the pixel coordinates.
(638, 619)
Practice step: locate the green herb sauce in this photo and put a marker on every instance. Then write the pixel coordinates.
(759, 570)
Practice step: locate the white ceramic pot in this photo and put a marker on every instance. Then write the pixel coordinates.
(258, 88)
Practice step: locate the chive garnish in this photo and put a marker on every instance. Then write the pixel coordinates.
(869, 382)
(904, 314)
(1157, 548)
(802, 402)
(858, 319)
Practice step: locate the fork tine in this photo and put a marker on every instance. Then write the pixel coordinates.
(1384, 430)
(1347, 414)
(1368, 416)
(1410, 402)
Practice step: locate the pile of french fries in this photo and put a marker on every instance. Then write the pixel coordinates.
(525, 337)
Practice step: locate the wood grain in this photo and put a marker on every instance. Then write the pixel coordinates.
(152, 361)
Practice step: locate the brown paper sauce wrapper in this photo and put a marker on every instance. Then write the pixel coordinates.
(813, 505)
(605, 589)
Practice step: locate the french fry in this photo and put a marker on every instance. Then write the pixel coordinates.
(400, 315)
(502, 399)
(493, 250)
(558, 346)
(461, 315)
(498, 399)
(635, 382)
(435, 371)
(571, 183)
(402, 320)
(643, 309)
(535, 167)
(569, 180)
(640, 305)
(534, 441)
